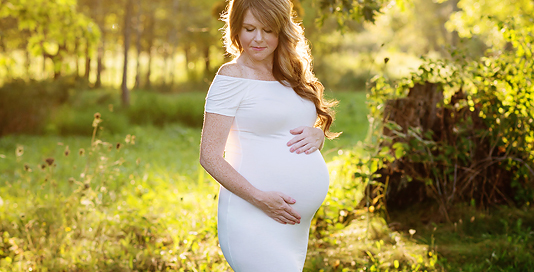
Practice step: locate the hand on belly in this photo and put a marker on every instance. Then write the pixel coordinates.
(276, 206)
(306, 140)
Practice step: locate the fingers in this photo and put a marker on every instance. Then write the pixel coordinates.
(297, 130)
(311, 150)
(292, 214)
(287, 199)
(307, 140)
(282, 212)
(276, 206)
(295, 140)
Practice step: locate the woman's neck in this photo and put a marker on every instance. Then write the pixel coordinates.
(263, 66)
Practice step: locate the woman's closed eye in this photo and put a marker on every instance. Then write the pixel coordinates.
(249, 29)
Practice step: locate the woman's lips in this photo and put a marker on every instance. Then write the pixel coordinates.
(258, 48)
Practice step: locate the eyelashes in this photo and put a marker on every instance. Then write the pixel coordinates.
(252, 29)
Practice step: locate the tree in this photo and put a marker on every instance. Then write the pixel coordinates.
(127, 30)
(53, 28)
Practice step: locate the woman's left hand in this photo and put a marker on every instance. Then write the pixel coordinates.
(307, 140)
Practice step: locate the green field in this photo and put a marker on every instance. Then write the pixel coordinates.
(117, 204)
(96, 205)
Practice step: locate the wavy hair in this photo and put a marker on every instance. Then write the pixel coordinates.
(292, 62)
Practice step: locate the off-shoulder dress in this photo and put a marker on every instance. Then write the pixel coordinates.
(264, 112)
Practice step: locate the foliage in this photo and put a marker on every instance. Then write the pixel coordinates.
(54, 28)
(156, 197)
(54, 107)
(345, 10)
(497, 239)
(186, 108)
(99, 208)
(483, 150)
(474, 18)
(369, 244)
(24, 107)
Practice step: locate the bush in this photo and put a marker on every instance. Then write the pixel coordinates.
(24, 106)
(478, 147)
(158, 110)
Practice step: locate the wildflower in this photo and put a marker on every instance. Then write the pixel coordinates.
(81, 152)
(43, 166)
(20, 150)
(96, 143)
(132, 141)
(67, 229)
(371, 208)
(2, 156)
(412, 232)
(128, 138)
(118, 146)
(49, 161)
(27, 168)
(67, 151)
(97, 120)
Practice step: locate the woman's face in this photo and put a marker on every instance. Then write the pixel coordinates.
(258, 41)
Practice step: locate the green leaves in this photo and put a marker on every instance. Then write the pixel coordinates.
(483, 141)
(346, 10)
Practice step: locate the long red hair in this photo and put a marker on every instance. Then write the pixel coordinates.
(292, 62)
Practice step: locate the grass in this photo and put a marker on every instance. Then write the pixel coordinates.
(148, 206)
(497, 239)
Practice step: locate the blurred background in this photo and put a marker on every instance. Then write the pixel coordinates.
(101, 109)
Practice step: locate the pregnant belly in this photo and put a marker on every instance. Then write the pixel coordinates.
(271, 167)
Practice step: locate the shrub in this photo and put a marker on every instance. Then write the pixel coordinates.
(24, 106)
(478, 146)
(149, 108)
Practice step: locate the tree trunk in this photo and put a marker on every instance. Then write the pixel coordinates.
(43, 68)
(207, 59)
(187, 50)
(151, 26)
(57, 60)
(87, 61)
(171, 84)
(28, 62)
(138, 29)
(455, 38)
(164, 73)
(76, 47)
(101, 44)
(127, 19)
(173, 41)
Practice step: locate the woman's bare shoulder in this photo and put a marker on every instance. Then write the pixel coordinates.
(230, 69)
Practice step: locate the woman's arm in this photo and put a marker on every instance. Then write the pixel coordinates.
(214, 135)
(307, 140)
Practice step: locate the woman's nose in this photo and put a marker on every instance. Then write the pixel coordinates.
(259, 36)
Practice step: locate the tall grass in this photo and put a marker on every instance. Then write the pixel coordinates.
(137, 200)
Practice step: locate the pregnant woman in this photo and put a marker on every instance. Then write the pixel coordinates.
(265, 121)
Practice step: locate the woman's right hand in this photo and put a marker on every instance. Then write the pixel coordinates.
(276, 206)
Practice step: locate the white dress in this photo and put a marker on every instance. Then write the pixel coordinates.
(265, 112)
